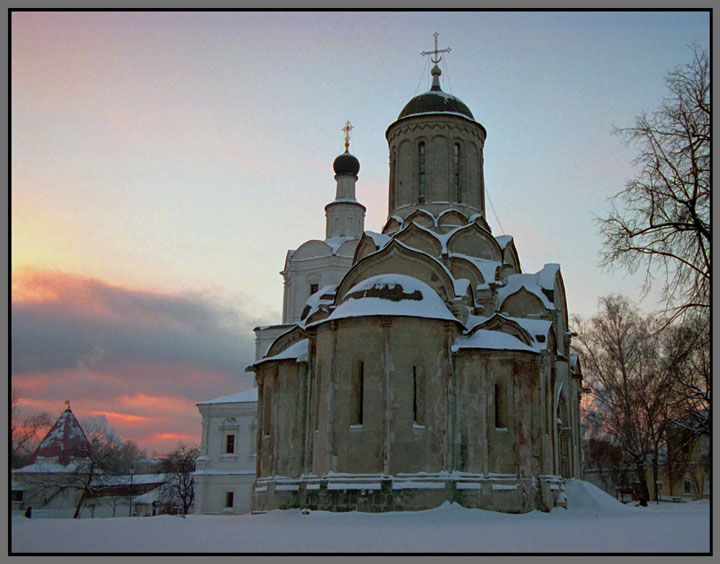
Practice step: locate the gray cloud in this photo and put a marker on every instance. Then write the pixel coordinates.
(94, 325)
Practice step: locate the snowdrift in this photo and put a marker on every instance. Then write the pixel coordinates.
(587, 499)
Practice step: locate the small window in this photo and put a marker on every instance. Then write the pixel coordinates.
(358, 385)
(456, 171)
(230, 444)
(687, 487)
(500, 419)
(421, 187)
(229, 499)
(313, 288)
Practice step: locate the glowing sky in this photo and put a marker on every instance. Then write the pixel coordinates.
(163, 163)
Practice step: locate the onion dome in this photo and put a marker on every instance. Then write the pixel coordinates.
(435, 101)
(346, 164)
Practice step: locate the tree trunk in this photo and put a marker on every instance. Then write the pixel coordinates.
(644, 492)
(655, 479)
(80, 504)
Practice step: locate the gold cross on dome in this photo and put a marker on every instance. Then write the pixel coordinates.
(436, 59)
(347, 129)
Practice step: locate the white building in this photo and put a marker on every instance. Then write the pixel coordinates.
(63, 469)
(226, 466)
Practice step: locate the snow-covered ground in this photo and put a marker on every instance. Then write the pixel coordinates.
(595, 522)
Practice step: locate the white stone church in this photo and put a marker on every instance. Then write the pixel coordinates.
(415, 365)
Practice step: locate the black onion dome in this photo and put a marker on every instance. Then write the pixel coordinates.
(346, 164)
(435, 101)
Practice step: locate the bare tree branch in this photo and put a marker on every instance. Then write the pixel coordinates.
(665, 217)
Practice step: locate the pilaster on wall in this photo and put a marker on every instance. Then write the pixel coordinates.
(386, 323)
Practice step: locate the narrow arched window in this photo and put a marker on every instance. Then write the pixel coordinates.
(500, 407)
(456, 172)
(357, 393)
(421, 171)
(418, 397)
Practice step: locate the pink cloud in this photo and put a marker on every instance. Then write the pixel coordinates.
(140, 359)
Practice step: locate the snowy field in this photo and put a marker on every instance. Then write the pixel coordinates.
(595, 522)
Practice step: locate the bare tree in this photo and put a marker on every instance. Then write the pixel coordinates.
(631, 387)
(607, 460)
(78, 476)
(661, 220)
(24, 431)
(688, 351)
(92, 470)
(114, 455)
(179, 466)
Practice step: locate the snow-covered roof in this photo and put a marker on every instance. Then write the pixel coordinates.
(439, 112)
(324, 296)
(474, 320)
(494, 340)
(160, 494)
(486, 267)
(137, 479)
(503, 240)
(65, 440)
(148, 497)
(238, 397)
(45, 466)
(380, 239)
(394, 295)
(317, 298)
(441, 237)
(461, 285)
(531, 282)
(298, 351)
(17, 486)
(546, 277)
(537, 328)
(336, 242)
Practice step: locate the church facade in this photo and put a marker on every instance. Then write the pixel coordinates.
(419, 364)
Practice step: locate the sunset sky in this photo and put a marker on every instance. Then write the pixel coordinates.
(163, 164)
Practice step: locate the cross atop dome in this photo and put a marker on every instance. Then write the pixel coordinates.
(347, 129)
(437, 58)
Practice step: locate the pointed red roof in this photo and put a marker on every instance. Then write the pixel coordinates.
(64, 441)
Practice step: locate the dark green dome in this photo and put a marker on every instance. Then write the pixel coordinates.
(435, 101)
(346, 164)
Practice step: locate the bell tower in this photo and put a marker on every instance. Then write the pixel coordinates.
(345, 216)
